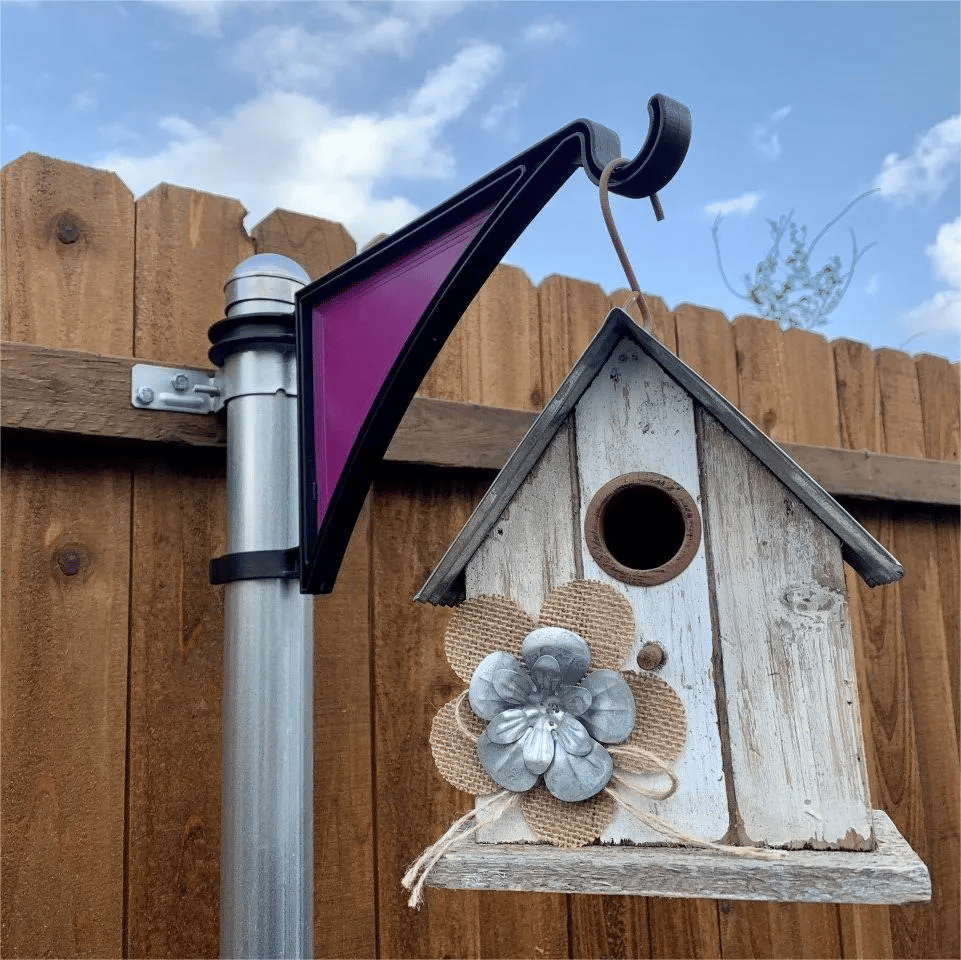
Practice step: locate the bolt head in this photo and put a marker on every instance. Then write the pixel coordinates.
(145, 395)
(180, 382)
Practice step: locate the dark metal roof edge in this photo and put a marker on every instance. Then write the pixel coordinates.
(439, 588)
(866, 556)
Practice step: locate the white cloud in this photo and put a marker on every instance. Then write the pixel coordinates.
(928, 169)
(873, 285)
(765, 139)
(84, 100)
(294, 58)
(743, 205)
(943, 310)
(503, 110)
(203, 15)
(288, 149)
(543, 33)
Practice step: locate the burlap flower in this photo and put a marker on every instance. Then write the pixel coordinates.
(547, 702)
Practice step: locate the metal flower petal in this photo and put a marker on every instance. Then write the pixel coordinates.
(575, 700)
(573, 778)
(546, 674)
(539, 746)
(611, 716)
(485, 701)
(572, 736)
(513, 685)
(510, 726)
(565, 646)
(505, 764)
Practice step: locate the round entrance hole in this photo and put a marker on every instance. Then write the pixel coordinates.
(642, 528)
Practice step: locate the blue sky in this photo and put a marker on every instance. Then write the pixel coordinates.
(370, 113)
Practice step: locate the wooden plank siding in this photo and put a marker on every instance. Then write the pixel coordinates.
(112, 637)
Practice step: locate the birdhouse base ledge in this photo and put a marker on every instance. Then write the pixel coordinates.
(892, 873)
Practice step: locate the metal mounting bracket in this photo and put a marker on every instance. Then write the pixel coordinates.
(175, 389)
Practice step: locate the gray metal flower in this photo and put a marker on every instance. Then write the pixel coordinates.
(550, 718)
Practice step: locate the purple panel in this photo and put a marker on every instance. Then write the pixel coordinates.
(357, 337)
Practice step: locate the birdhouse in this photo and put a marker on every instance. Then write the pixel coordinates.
(652, 628)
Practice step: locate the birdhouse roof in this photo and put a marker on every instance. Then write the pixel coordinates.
(445, 585)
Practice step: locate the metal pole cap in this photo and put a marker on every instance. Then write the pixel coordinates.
(263, 283)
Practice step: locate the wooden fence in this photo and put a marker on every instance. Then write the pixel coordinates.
(111, 657)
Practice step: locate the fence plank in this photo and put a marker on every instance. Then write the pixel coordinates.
(865, 931)
(876, 613)
(317, 245)
(940, 396)
(187, 244)
(928, 670)
(414, 515)
(768, 396)
(571, 312)
(344, 911)
(66, 548)
(67, 256)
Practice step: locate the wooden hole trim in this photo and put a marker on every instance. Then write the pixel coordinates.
(670, 493)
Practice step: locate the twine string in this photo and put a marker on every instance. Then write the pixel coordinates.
(459, 720)
(661, 826)
(416, 875)
(636, 295)
(639, 753)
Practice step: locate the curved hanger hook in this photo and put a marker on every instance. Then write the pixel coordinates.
(660, 157)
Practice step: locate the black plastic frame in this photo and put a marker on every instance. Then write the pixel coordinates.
(519, 188)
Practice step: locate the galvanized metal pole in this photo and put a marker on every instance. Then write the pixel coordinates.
(266, 878)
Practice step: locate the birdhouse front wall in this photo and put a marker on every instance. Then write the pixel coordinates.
(753, 626)
(789, 677)
(631, 418)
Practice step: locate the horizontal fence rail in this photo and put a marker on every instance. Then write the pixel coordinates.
(112, 636)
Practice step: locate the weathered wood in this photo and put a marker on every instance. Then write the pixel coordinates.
(67, 256)
(187, 244)
(413, 517)
(65, 533)
(68, 247)
(928, 662)
(940, 402)
(88, 395)
(705, 342)
(317, 245)
(571, 312)
(809, 362)
(793, 713)
(634, 417)
(890, 874)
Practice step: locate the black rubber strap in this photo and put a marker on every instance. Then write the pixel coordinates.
(256, 565)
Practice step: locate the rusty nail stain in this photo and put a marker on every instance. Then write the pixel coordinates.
(69, 561)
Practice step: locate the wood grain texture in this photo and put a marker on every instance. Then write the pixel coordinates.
(571, 312)
(940, 401)
(344, 879)
(928, 665)
(65, 533)
(764, 391)
(611, 926)
(864, 931)
(793, 714)
(67, 255)
(414, 515)
(187, 244)
(493, 355)
(634, 417)
(317, 245)
(78, 394)
(890, 874)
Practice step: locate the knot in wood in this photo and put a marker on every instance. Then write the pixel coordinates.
(67, 230)
(70, 561)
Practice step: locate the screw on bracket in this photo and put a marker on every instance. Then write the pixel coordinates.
(145, 396)
(180, 382)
